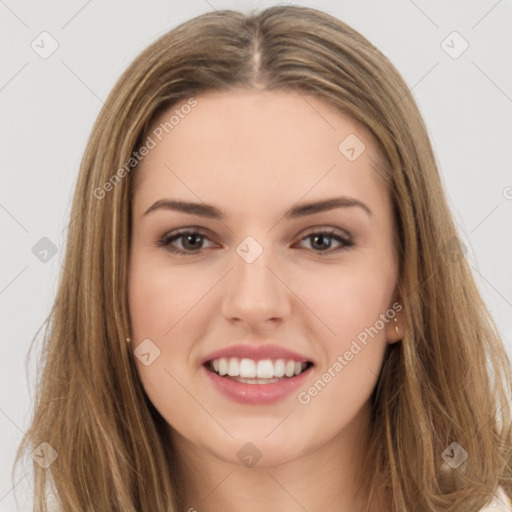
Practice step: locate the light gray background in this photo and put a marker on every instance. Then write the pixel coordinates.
(48, 107)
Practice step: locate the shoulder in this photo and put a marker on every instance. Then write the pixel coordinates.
(500, 503)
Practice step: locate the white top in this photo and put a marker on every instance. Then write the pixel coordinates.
(500, 503)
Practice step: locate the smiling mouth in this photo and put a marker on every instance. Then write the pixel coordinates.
(249, 371)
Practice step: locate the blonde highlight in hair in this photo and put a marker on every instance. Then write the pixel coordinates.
(448, 379)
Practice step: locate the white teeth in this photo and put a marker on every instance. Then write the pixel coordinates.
(250, 369)
(233, 367)
(223, 366)
(256, 381)
(265, 369)
(290, 369)
(279, 367)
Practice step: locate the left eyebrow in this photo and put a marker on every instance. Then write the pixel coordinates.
(322, 206)
(301, 210)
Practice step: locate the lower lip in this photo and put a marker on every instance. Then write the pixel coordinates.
(255, 394)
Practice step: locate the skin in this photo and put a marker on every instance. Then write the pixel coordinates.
(253, 155)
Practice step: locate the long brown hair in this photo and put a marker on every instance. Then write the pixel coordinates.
(448, 380)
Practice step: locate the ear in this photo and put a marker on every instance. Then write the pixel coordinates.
(396, 325)
(395, 329)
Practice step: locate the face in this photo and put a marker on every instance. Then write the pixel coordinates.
(259, 275)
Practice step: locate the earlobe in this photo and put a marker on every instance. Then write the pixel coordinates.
(395, 330)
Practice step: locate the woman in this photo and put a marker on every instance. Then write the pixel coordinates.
(209, 349)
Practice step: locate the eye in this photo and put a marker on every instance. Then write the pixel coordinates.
(321, 240)
(192, 241)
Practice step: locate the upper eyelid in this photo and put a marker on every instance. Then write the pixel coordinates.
(305, 232)
(174, 235)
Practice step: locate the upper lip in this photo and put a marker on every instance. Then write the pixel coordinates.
(256, 352)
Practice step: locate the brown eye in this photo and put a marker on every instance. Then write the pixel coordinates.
(191, 241)
(321, 241)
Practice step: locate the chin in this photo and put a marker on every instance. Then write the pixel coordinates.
(261, 449)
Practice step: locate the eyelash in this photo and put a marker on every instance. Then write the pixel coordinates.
(167, 239)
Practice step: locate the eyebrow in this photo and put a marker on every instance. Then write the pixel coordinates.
(301, 210)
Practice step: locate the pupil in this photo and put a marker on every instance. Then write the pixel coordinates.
(193, 237)
(322, 238)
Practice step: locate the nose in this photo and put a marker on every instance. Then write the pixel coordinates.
(256, 294)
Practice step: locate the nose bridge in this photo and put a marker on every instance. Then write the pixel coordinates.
(255, 294)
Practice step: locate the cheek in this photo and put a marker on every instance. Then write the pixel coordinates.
(353, 346)
(161, 304)
(161, 296)
(166, 305)
(347, 299)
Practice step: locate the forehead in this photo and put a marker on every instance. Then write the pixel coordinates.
(257, 149)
